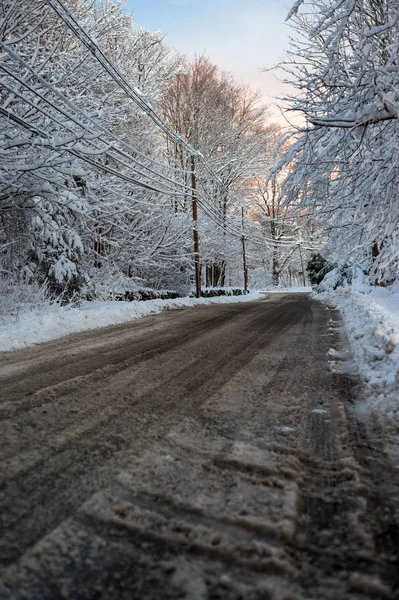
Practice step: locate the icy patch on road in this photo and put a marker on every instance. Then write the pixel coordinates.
(57, 321)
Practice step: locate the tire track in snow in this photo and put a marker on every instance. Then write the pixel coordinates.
(235, 473)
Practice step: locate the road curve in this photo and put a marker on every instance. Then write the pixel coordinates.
(202, 453)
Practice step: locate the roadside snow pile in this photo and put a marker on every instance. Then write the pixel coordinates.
(44, 324)
(371, 318)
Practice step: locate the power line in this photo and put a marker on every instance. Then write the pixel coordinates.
(210, 211)
(134, 94)
(12, 117)
(72, 106)
(68, 18)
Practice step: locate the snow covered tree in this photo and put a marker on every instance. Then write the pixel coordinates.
(269, 209)
(317, 268)
(229, 125)
(75, 152)
(342, 163)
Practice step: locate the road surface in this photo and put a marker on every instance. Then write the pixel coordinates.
(202, 453)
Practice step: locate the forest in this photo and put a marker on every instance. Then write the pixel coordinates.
(108, 137)
(129, 170)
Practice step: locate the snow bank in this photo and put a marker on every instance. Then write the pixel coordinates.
(48, 323)
(371, 319)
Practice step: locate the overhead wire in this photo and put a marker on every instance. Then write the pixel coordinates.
(209, 210)
(239, 233)
(68, 116)
(20, 121)
(69, 19)
(66, 15)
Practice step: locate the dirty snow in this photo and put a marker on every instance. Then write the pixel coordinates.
(371, 319)
(48, 323)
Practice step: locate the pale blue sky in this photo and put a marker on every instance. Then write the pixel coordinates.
(239, 36)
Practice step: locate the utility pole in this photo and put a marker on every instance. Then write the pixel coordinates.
(195, 229)
(244, 257)
(303, 269)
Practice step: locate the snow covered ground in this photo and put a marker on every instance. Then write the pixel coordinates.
(46, 323)
(371, 318)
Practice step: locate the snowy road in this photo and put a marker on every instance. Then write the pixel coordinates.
(200, 453)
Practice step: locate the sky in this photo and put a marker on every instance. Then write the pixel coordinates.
(239, 36)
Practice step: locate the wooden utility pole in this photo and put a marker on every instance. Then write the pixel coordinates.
(244, 257)
(195, 229)
(303, 268)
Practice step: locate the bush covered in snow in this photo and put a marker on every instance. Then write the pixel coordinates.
(19, 299)
(343, 276)
(214, 292)
(149, 295)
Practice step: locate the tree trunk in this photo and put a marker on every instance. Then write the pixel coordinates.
(275, 257)
(99, 248)
(222, 278)
(375, 252)
(209, 275)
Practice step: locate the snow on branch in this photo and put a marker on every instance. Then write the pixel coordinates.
(341, 167)
(294, 10)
